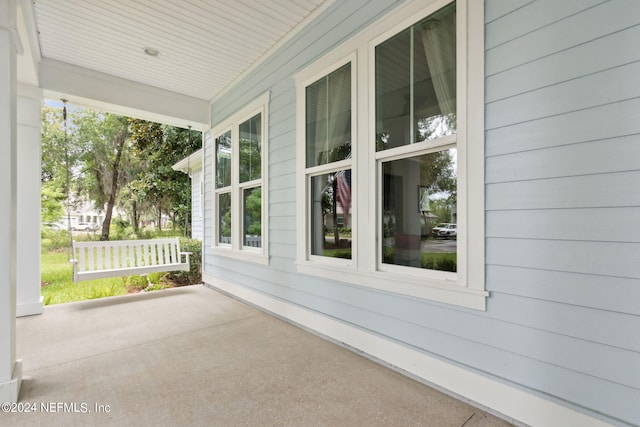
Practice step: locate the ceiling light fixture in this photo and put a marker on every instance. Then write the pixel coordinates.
(151, 51)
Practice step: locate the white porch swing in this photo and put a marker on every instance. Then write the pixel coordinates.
(103, 259)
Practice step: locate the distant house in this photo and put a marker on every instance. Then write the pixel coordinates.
(83, 213)
(192, 166)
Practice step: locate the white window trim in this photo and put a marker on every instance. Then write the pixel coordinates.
(304, 173)
(466, 287)
(236, 249)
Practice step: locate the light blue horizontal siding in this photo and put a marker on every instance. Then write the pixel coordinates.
(523, 21)
(282, 160)
(590, 224)
(587, 92)
(283, 195)
(587, 191)
(562, 121)
(593, 124)
(611, 51)
(497, 9)
(558, 34)
(615, 294)
(282, 131)
(282, 209)
(282, 167)
(562, 168)
(284, 181)
(283, 236)
(598, 258)
(283, 250)
(283, 222)
(594, 157)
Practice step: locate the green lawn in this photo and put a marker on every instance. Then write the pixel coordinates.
(58, 286)
(57, 271)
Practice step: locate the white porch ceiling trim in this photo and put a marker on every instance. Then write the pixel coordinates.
(27, 18)
(114, 94)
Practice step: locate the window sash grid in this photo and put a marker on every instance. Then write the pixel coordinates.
(328, 168)
(430, 146)
(250, 184)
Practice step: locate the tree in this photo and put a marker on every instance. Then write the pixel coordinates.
(155, 183)
(60, 159)
(104, 138)
(53, 148)
(52, 207)
(137, 200)
(253, 211)
(97, 156)
(437, 170)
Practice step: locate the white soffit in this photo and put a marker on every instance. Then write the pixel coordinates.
(203, 45)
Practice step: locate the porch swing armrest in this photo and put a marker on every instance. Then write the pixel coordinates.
(75, 269)
(187, 255)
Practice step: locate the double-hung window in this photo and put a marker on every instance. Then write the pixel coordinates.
(391, 157)
(415, 144)
(240, 220)
(328, 165)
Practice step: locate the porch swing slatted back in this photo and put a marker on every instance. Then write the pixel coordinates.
(96, 260)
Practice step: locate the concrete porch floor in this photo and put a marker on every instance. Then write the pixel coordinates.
(193, 356)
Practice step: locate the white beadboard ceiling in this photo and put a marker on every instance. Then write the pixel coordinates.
(204, 45)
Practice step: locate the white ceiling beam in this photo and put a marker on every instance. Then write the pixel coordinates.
(28, 61)
(109, 93)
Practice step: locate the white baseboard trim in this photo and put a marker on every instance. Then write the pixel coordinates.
(513, 403)
(10, 390)
(30, 309)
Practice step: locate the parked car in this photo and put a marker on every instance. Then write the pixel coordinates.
(84, 226)
(445, 230)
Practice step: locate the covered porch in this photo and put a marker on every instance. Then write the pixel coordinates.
(132, 60)
(194, 356)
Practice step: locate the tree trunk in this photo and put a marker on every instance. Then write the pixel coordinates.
(336, 233)
(136, 216)
(159, 219)
(121, 138)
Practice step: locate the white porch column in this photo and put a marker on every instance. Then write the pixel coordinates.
(29, 299)
(10, 369)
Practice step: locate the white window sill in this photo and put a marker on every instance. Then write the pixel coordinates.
(438, 290)
(250, 255)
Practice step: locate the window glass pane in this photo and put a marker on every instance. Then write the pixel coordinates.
(250, 146)
(328, 118)
(331, 214)
(224, 218)
(223, 160)
(416, 82)
(252, 208)
(419, 226)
